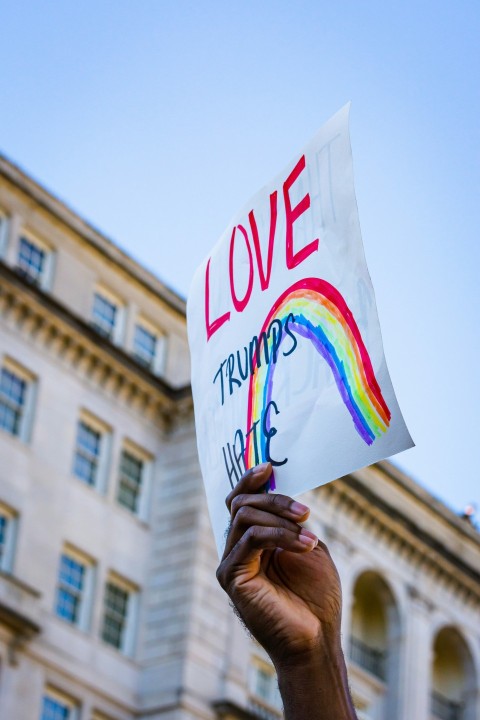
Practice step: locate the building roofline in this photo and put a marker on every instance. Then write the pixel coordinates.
(405, 522)
(414, 488)
(96, 239)
(90, 234)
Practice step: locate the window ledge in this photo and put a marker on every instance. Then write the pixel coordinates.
(137, 519)
(228, 710)
(16, 441)
(23, 586)
(262, 709)
(129, 658)
(19, 612)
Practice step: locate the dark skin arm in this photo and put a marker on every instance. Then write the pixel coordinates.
(286, 589)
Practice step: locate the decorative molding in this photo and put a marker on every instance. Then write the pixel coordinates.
(20, 584)
(419, 599)
(386, 524)
(413, 488)
(22, 628)
(334, 535)
(45, 321)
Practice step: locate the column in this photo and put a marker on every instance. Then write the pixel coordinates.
(416, 659)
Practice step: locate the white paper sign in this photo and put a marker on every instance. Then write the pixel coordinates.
(287, 357)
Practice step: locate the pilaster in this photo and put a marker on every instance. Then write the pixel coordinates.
(417, 658)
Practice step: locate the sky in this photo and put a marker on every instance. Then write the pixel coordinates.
(157, 121)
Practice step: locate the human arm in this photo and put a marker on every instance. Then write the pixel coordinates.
(285, 587)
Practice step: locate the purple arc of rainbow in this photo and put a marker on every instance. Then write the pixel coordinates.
(321, 315)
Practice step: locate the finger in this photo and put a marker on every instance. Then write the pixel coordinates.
(250, 482)
(248, 516)
(254, 542)
(276, 504)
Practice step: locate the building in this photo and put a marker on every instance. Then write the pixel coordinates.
(109, 606)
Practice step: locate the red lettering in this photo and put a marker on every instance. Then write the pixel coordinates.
(292, 214)
(264, 264)
(265, 276)
(216, 324)
(240, 305)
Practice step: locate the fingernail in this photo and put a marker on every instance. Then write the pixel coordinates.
(259, 469)
(307, 537)
(299, 509)
(311, 542)
(271, 481)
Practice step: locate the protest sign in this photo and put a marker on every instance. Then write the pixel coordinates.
(287, 356)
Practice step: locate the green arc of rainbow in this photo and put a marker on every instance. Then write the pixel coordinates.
(321, 314)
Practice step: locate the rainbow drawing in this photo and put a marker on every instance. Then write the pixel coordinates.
(321, 314)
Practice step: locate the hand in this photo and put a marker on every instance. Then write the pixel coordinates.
(279, 576)
(286, 589)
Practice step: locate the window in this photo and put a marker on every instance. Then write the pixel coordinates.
(12, 401)
(34, 261)
(144, 344)
(56, 706)
(130, 485)
(104, 314)
(263, 683)
(87, 457)
(16, 400)
(149, 347)
(368, 658)
(373, 613)
(452, 677)
(31, 259)
(74, 588)
(3, 232)
(91, 451)
(8, 521)
(119, 615)
(134, 480)
(107, 315)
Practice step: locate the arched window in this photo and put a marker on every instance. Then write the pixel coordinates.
(374, 643)
(453, 677)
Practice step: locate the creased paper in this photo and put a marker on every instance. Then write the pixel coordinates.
(287, 357)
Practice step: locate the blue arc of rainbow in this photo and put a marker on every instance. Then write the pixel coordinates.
(321, 315)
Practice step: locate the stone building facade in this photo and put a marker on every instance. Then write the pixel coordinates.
(109, 607)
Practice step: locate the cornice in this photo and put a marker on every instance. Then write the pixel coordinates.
(391, 527)
(18, 622)
(414, 488)
(56, 207)
(45, 320)
(24, 587)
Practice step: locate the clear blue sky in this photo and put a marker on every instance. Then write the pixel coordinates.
(158, 120)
